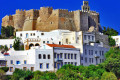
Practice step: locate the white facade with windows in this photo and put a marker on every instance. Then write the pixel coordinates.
(117, 40)
(81, 40)
(44, 58)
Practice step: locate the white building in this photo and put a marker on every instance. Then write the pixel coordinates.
(7, 42)
(49, 57)
(117, 40)
(85, 41)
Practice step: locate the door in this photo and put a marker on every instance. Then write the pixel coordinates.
(58, 66)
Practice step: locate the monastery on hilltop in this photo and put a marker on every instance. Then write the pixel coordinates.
(53, 38)
(47, 19)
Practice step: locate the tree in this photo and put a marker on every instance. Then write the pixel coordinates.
(112, 65)
(108, 76)
(7, 31)
(5, 69)
(21, 74)
(110, 32)
(1, 74)
(16, 44)
(111, 41)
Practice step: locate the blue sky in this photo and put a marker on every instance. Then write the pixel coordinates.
(109, 9)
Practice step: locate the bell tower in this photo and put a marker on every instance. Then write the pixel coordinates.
(85, 6)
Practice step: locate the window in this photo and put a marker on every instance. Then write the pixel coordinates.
(61, 64)
(44, 42)
(81, 58)
(25, 61)
(55, 64)
(100, 53)
(55, 55)
(24, 68)
(61, 55)
(68, 62)
(75, 56)
(26, 35)
(92, 37)
(42, 33)
(71, 56)
(48, 56)
(89, 52)
(11, 61)
(47, 41)
(85, 37)
(59, 42)
(44, 56)
(95, 52)
(33, 34)
(10, 45)
(65, 63)
(67, 41)
(85, 52)
(47, 65)
(85, 59)
(39, 57)
(51, 22)
(68, 56)
(20, 35)
(11, 69)
(90, 60)
(17, 62)
(88, 37)
(100, 60)
(71, 62)
(75, 63)
(32, 68)
(41, 65)
(65, 56)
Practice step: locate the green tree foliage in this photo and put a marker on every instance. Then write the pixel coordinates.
(108, 76)
(111, 41)
(7, 31)
(5, 69)
(16, 44)
(20, 74)
(113, 53)
(44, 75)
(110, 32)
(2, 73)
(112, 65)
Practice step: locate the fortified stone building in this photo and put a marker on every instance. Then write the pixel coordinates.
(47, 19)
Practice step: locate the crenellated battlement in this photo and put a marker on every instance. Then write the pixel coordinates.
(47, 18)
(22, 12)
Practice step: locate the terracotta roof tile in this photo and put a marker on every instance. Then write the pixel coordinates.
(63, 46)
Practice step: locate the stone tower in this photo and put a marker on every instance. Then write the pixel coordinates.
(19, 18)
(85, 6)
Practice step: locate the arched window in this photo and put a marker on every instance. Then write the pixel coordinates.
(48, 56)
(31, 45)
(44, 56)
(39, 56)
(37, 44)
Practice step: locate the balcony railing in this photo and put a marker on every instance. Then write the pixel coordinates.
(97, 56)
(58, 59)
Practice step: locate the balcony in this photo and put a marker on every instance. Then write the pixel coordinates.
(58, 59)
(97, 56)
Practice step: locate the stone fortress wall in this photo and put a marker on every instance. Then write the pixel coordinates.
(47, 19)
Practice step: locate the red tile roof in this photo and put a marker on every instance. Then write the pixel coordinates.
(63, 46)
